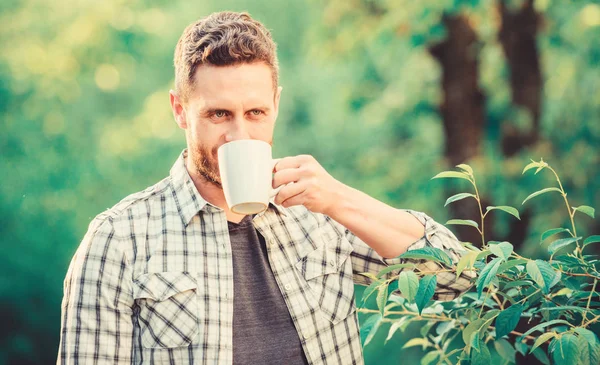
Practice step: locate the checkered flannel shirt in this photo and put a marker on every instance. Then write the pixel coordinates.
(152, 283)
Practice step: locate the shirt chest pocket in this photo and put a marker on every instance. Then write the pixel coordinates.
(167, 309)
(327, 271)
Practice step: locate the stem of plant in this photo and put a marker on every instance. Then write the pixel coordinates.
(483, 304)
(529, 296)
(571, 213)
(480, 213)
(587, 307)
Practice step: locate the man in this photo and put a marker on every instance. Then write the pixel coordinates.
(171, 276)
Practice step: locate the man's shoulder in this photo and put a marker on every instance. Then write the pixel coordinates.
(120, 212)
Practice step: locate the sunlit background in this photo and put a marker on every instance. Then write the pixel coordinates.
(384, 93)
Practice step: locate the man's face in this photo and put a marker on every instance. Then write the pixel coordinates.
(228, 103)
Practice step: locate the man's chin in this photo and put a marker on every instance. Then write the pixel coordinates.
(211, 180)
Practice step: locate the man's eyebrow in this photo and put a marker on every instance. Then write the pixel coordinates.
(212, 110)
(209, 111)
(263, 107)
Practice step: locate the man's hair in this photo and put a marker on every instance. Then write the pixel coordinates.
(222, 39)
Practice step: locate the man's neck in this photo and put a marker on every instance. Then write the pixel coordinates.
(211, 193)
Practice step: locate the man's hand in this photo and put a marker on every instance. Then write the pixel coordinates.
(312, 186)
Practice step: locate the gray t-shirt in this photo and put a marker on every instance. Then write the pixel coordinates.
(263, 331)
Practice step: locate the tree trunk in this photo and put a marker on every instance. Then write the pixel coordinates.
(462, 109)
(517, 36)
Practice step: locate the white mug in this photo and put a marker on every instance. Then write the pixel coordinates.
(246, 169)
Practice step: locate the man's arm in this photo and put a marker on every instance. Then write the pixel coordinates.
(378, 232)
(449, 286)
(387, 230)
(96, 321)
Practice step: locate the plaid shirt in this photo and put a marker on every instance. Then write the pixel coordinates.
(151, 282)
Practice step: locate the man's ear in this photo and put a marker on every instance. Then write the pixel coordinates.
(178, 110)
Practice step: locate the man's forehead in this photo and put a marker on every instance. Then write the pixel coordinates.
(257, 75)
(224, 100)
(247, 83)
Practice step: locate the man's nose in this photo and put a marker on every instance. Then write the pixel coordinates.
(238, 130)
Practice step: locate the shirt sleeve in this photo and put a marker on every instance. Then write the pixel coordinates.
(367, 260)
(96, 311)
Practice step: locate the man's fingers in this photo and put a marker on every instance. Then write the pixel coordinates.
(290, 162)
(286, 176)
(289, 191)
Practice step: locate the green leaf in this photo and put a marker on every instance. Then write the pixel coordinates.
(506, 350)
(588, 346)
(541, 356)
(425, 291)
(553, 231)
(370, 290)
(542, 339)
(521, 347)
(563, 242)
(586, 209)
(416, 342)
(589, 350)
(445, 327)
(466, 261)
(393, 286)
(400, 323)
(482, 357)
(459, 196)
(466, 168)
(470, 330)
(510, 264)
(542, 273)
(394, 267)
(429, 357)
(516, 283)
(487, 274)
(544, 325)
(382, 297)
(408, 283)
(532, 165)
(584, 351)
(369, 275)
(561, 308)
(369, 328)
(589, 336)
(507, 209)
(565, 350)
(507, 320)
(451, 174)
(502, 250)
(476, 341)
(428, 253)
(539, 192)
(463, 222)
(591, 239)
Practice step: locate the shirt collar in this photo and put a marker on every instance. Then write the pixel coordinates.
(187, 198)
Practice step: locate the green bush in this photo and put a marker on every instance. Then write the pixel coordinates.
(520, 305)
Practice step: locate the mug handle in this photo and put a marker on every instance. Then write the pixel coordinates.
(276, 190)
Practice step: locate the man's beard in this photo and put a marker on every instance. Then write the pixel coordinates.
(207, 165)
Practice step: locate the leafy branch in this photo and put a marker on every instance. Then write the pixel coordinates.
(554, 297)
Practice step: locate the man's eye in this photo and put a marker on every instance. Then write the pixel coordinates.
(256, 112)
(220, 114)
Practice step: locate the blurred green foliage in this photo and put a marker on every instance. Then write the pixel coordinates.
(85, 120)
